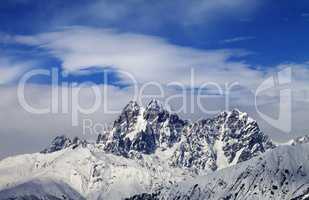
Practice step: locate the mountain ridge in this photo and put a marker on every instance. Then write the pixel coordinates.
(148, 150)
(227, 139)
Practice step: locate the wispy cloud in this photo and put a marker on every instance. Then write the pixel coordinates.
(238, 39)
(147, 58)
(133, 14)
(305, 14)
(39, 96)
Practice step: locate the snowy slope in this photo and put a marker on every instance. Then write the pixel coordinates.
(91, 173)
(41, 189)
(282, 173)
(146, 150)
(67, 166)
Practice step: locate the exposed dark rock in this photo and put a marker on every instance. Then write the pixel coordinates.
(62, 142)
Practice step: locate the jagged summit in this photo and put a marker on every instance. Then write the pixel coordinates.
(221, 141)
(155, 111)
(294, 142)
(131, 106)
(207, 144)
(300, 140)
(235, 113)
(143, 130)
(62, 142)
(154, 105)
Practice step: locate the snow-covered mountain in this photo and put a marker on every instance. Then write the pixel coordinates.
(151, 153)
(207, 145)
(225, 140)
(282, 173)
(141, 130)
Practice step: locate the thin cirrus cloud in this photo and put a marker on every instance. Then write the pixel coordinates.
(146, 58)
(156, 14)
(305, 14)
(238, 39)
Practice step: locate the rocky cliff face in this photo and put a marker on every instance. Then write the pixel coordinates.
(143, 130)
(207, 144)
(62, 142)
(227, 139)
(210, 144)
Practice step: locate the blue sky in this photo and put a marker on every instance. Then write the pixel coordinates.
(274, 32)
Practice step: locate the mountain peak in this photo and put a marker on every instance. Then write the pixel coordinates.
(301, 140)
(224, 140)
(129, 114)
(237, 112)
(155, 111)
(137, 129)
(58, 143)
(154, 103)
(221, 141)
(63, 142)
(131, 106)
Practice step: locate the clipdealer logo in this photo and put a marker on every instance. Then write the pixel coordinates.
(279, 82)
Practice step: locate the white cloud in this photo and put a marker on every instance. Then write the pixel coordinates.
(25, 132)
(11, 70)
(8, 74)
(201, 11)
(156, 14)
(238, 39)
(147, 58)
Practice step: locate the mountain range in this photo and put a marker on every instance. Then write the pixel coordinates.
(152, 153)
